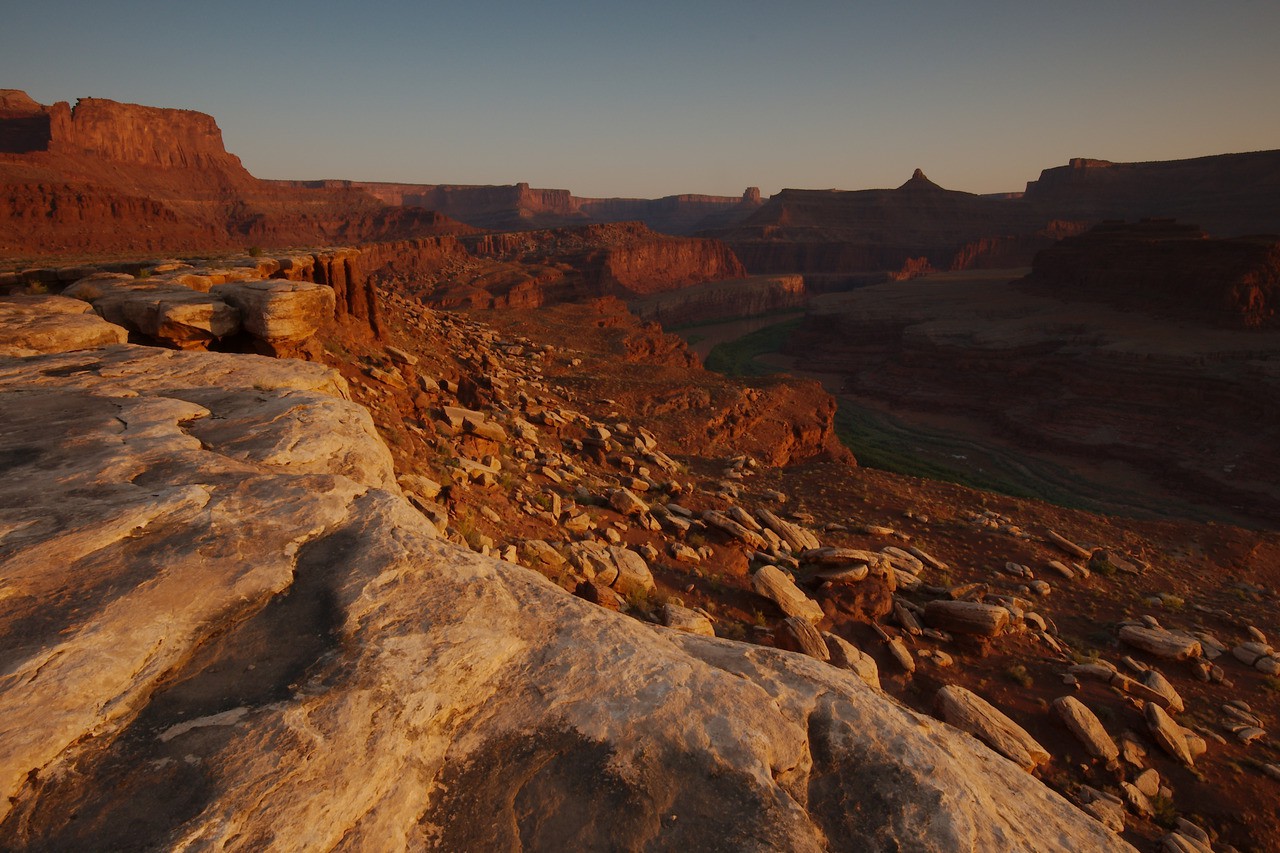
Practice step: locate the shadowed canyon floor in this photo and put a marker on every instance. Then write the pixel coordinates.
(1075, 402)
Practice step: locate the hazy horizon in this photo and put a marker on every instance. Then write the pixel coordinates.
(611, 99)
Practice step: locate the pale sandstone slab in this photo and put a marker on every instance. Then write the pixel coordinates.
(31, 325)
(279, 313)
(1087, 728)
(771, 583)
(186, 320)
(973, 714)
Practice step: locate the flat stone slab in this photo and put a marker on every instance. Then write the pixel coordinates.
(31, 325)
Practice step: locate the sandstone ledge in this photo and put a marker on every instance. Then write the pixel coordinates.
(222, 627)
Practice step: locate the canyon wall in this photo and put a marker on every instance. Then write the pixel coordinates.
(1017, 250)
(106, 177)
(722, 300)
(120, 133)
(1163, 268)
(1226, 194)
(622, 258)
(519, 207)
(838, 232)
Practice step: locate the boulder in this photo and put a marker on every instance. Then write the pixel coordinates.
(794, 535)
(1157, 682)
(684, 619)
(773, 584)
(1084, 724)
(973, 714)
(279, 314)
(803, 637)
(841, 557)
(183, 319)
(734, 529)
(1169, 735)
(626, 503)
(848, 656)
(1107, 808)
(966, 617)
(1172, 645)
(634, 577)
(1067, 545)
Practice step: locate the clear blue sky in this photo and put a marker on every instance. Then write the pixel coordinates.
(654, 98)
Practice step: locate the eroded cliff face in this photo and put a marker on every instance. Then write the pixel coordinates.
(1013, 251)
(121, 133)
(620, 259)
(519, 207)
(110, 177)
(839, 232)
(1161, 267)
(1227, 194)
(225, 628)
(653, 265)
(723, 300)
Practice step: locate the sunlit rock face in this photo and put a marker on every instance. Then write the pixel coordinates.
(222, 627)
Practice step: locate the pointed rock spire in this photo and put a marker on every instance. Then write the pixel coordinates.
(919, 181)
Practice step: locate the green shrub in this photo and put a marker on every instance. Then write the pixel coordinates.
(1019, 675)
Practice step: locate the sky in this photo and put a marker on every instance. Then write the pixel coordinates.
(645, 99)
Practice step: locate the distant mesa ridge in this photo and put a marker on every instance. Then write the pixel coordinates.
(110, 176)
(508, 207)
(920, 225)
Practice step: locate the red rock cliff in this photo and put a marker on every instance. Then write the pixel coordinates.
(519, 207)
(112, 177)
(120, 133)
(621, 258)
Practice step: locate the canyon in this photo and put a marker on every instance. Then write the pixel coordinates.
(352, 515)
(1183, 407)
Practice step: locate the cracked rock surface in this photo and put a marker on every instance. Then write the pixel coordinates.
(222, 627)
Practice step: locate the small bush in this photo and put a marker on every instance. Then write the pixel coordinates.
(1019, 675)
(1165, 814)
(254, 251)
(732, 631)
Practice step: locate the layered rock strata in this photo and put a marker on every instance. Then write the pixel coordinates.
(723, 300)
(1188, 410)
(619, 259)
(103, 176)
(519, 207)
(39, 324)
